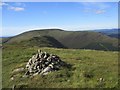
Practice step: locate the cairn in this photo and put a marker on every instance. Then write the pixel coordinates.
(42, 63)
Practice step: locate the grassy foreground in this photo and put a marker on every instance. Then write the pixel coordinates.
(90, 68)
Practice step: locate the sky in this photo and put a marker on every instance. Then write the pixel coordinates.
(18, 17)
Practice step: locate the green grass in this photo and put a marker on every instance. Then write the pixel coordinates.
(88, 66)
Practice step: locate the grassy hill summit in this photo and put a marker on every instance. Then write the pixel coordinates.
(89, 68)
(65, 39)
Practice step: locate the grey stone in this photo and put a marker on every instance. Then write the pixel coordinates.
(18, 70)
(27, 73)
(47, 69)
(13, 87)
(12, 78)
(42, 63)
(35, 74)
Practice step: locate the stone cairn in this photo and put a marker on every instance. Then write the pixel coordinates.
(42, 63)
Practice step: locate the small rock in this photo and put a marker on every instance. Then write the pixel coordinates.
(13, 87)
(35, 74)
(12, 78)
(27, 73)
(47, 69)
(18, 70)
(25, 76)
(101, 79)
(68, 80)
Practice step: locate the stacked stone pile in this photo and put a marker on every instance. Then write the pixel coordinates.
(42, 63)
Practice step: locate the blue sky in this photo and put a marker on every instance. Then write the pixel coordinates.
(20, 17)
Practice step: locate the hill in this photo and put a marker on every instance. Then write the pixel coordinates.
(115, 35)
(89, 69)
(68, 39)
(44, 41)
(110, 32)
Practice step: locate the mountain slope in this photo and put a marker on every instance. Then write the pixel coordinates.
(43, 41)
(70, 39)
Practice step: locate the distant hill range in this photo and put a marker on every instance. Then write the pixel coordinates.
(64, 39)
(110, 32)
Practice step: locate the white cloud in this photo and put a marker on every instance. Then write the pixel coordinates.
(3, 4)
(100, 11)
(20, 4)
(102, 5)
(16, 8)
(95, 7)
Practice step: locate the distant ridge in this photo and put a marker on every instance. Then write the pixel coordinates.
(110, 32)
(65, 39)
